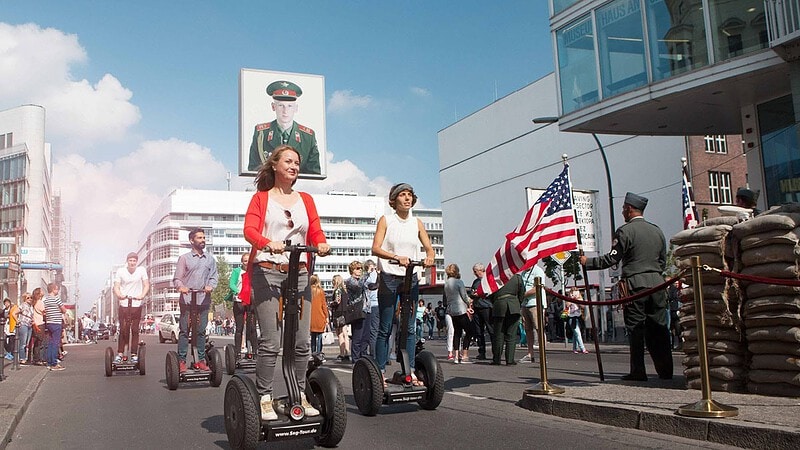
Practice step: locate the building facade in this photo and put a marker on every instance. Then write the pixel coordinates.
(348, 220)
(26, 210)
(717, 168)
(686, 67)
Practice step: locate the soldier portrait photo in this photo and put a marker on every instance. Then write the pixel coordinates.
(282, 108)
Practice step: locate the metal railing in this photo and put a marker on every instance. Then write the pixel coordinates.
(783, 20)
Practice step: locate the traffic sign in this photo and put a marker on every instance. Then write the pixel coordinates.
(561, 257)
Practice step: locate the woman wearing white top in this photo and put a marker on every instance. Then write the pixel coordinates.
(398, 237)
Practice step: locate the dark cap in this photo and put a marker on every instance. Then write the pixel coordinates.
(132, 255)
(636, 201)
(284, 90)
(748, 195)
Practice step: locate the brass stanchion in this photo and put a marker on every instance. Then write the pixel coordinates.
(705, 408)
(543, 387)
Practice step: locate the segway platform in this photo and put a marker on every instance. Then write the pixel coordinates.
(231, 363)
(126, 365)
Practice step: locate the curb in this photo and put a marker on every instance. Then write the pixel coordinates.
(16, 410)
(738, 434)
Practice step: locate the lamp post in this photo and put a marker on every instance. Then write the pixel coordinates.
(77, 246)
(549, 120)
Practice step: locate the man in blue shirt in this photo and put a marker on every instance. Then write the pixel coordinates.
(196, 271)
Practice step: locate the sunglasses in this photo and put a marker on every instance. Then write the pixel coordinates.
(288, 215)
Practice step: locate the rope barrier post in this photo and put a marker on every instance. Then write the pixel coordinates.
(543, 387)
(705, 408)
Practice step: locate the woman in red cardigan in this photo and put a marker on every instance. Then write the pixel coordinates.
(278, 213)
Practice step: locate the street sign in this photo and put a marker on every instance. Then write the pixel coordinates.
(561, 257)
(13, 266)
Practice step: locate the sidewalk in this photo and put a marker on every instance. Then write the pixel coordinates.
(763, 422)
(16, 391)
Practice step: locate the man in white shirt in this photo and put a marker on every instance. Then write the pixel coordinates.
(131, 285)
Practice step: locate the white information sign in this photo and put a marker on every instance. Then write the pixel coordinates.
(584, 203)
(33, 254)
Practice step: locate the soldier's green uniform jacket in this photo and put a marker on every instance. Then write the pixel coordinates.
(507, 299)
(642, 249)
(267, 137)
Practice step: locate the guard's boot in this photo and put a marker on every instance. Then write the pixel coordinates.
(638, 372)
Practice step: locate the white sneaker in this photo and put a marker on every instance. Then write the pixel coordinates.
(536, 346)
(267, 413)
(525, 359)
(310, 410)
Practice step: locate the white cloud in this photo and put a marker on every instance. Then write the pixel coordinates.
(420, 91)
(35, 67)
(346, 176)
(345, 101)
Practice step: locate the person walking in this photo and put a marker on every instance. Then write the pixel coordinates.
(459, 307)
(530, 318)
(54, 312)
(319, 315)
(641, 248)
(482, 318)
(342, 331)
(574, 321)
(357, 291)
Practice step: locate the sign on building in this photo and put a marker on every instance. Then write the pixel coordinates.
(33, 254)
(584, 203)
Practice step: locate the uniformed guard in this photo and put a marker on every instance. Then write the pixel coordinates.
(506, 303)
(642, 249)
(284, 130)
(746, 198)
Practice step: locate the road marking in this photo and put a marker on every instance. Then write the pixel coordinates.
(464, 394)
(341, 370)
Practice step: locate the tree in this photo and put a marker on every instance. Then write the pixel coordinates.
(223, 285)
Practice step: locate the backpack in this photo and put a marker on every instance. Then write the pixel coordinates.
(440, 312)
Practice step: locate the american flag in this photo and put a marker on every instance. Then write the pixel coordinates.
(548, 228)
(689, 209)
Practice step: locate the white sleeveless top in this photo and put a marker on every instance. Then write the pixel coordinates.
(276, 228)
(402, 239)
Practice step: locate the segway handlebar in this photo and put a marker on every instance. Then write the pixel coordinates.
(411, 262)
(300, 248)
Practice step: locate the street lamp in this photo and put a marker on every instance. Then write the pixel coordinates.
(549, 120)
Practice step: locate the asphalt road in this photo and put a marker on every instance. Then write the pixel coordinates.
(80, 408)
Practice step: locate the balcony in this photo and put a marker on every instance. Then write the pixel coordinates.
(783, 26)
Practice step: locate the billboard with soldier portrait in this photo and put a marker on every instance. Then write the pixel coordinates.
(278, 108)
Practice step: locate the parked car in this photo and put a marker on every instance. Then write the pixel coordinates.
(103, 332)
(169, 327)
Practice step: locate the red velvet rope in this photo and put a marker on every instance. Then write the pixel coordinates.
(754, 278)
(618, 301)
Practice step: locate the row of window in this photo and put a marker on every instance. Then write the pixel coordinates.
(348, 220)
(6, 140)
(719, 188)
(13, 167)
(12, 193)
(716, 144)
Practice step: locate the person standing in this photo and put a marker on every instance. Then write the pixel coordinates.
(319, 315)
(267, 137)
(24, 326)
(459, 306)
(340, 299)
(278, 214)
(482, 319)
(574, 321)
(398, 238)
(357, 290)
(131, 285)
(243, 316)
(641, 248)
(372, 296)
(54, 312)
(39, 341)
(195, 271)
(530, 318)
(505, 314)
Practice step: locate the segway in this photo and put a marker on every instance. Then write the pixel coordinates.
(368, 388)
(248, 362)
(192, 374)
(243, 422)
(127, 365)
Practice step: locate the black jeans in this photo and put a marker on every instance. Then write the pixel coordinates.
(461, 324)
(242, 314)
(482, 323)
(129, 319)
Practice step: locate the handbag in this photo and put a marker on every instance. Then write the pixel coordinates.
(328, 338)
(355, 311)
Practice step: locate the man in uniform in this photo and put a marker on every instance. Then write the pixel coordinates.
(505, 315)
(745, 198)
(641, 247)
(284, 130)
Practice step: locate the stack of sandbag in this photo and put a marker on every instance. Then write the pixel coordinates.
(721, 299)
(769, 248)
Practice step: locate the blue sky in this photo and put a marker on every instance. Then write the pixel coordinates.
(161, 79)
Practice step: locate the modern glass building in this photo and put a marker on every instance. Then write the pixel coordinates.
(686, 67)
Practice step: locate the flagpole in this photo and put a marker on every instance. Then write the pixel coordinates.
(586, 288)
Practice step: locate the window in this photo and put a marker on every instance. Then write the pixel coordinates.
(577, 64)
(716, 144)
(719, 187)
(620, 41)
(6, 140)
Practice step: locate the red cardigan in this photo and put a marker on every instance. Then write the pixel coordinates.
(256, 216)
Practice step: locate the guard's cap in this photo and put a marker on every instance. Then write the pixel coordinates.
(284, 90)
(746, 194)
(132, 255)
(636, 201)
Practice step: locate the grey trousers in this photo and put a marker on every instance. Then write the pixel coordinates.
(266, 286)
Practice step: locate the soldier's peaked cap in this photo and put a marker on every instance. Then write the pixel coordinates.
(284, 90)
(636, 201)
(746, 194)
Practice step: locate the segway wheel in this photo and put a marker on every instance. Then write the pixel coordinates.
(430, 372)
(367, 386)
(142, 356)
(173, 369)
(230, 359)
(109, 361)
(215, 362)
(325, 393)
(242, 414)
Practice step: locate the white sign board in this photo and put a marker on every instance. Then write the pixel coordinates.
(33, 254)
(585, 210)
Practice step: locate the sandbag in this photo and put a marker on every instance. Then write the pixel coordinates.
(774, 389)
(769, 348)
(716, 359)
(775, 362)
(695, 248)
(769, 319)
(721, 320)
(718, 372)
(770, 254)
(717, 385)
(710, 259)
(701, 234)
(782, 333)
(755, 290)
(715, 291)
(713, 333)
(765, 222)
(709, 278)
(770, 237)
(721, 220)
(775, 376)
(758, 305)
(786, 208)
(690, 346)
(780, 270)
